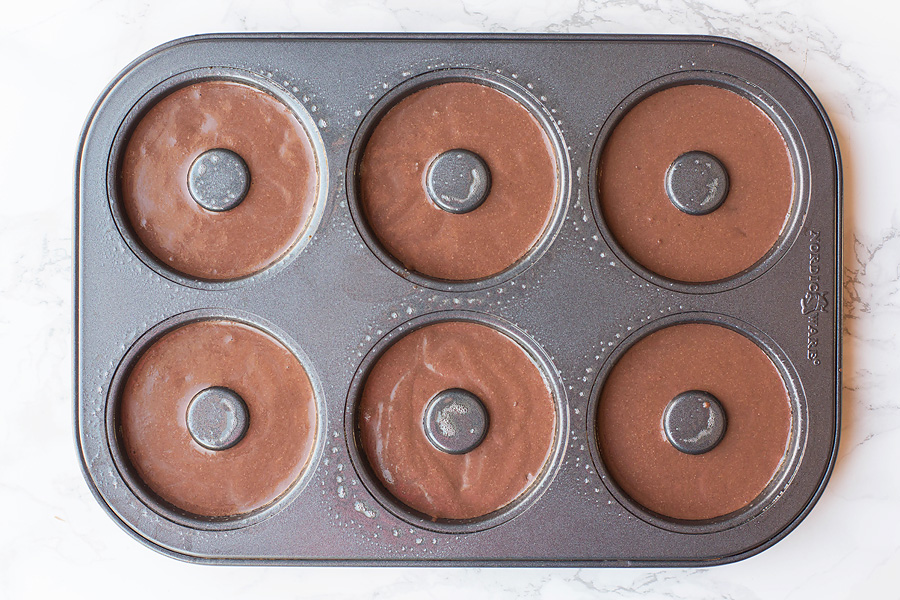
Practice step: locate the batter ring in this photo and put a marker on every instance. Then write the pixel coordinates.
(645, 222)
(500, 373)
(153, 418)
(393, 174)
(283, 180)
(648, 376)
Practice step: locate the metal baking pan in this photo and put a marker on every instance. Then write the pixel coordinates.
(575, 302)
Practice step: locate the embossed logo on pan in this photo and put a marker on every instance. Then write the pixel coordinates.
(814, 299)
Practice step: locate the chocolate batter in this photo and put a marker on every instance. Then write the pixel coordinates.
(657, 368)
(437, 243)
(282, 418)
(696, 248)
(487, 363)
(283, 180)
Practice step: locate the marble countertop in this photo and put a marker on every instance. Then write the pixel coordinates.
(57, 542)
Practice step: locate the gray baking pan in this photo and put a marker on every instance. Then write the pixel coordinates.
(576, 302)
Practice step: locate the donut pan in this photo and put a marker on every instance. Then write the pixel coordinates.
(546, 281)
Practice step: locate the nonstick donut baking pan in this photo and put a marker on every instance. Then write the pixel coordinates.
(458, 299)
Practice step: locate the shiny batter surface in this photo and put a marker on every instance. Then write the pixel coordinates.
(283, 180)
(487, 240)
(651, 373)
(272, 383)
(650, 228)
(477, 358)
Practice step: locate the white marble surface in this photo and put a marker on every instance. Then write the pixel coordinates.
(55, 541)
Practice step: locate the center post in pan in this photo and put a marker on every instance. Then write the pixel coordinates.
(694, 422)
(458, 181)
(455, 421)
(697, 183)
(217, 418)
(219, 180)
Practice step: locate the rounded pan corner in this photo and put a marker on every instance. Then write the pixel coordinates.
(111, 513)
(139, 536)
(793, 524)
(125, 72)
(771, 59)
